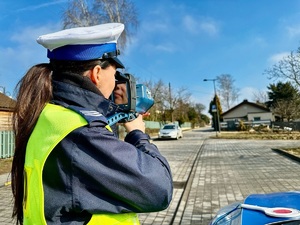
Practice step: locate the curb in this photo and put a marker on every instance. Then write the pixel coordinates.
(288, 155)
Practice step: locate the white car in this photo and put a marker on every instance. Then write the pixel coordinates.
(170, 131)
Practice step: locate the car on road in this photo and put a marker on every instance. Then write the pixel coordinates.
(170, 131)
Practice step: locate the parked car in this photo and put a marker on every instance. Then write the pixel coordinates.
(170, 131)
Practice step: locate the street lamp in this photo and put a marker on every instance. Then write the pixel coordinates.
(218, 118)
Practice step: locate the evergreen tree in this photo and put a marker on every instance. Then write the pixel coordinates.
(215, 109)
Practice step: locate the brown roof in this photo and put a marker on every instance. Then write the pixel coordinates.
(6, 103)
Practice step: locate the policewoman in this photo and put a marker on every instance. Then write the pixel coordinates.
(69, 167)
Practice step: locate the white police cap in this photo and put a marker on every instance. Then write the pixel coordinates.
(84, 43)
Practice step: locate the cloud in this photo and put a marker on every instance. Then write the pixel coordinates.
(165, 48)
(209, 28)
(259, 41)
(44, 5)
(24, 46)
(194, 26)
(157, 48)
(253, 94)
(153, 36)
(28, 34)
(246, 93)
(154, 28)
(293, 31)
(277, 57)
(23, 52)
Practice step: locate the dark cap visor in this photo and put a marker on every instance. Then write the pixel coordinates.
(113, 56)
(119, 64)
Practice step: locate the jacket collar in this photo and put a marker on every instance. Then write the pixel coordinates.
(74, 89)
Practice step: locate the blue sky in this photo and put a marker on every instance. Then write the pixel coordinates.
(181, 42)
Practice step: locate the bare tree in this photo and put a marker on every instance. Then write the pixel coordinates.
(260, 96)
(172, 104)
(287, 109)
(199, 108)
(175, 100)
(78, 14)
(228, 93)
(83, 13)
(286, 69)
(158, 93)
(199, 117)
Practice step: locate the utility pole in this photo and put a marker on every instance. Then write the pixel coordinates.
(171, 102)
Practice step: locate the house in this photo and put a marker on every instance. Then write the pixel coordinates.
(249, 112)
(7, 106)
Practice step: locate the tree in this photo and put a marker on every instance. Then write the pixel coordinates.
(183, 112)
(227, 91)
(158, 93)
(173, 105)
(175, 102)
(286, 69)
(83, 13)
(195, 115)
(205, 118)
(260, 97)
(199, 108)
(287, 109)
(284, 100)
(78, 14)
(181, 103)
(215, 104)
(281, 91)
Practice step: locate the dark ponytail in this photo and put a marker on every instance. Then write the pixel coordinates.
(34, 91)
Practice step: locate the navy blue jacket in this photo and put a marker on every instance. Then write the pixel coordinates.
(91, 171)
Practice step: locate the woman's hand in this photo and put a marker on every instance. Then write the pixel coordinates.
(137, 124)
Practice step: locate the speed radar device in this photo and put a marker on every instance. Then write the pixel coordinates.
(132, 99)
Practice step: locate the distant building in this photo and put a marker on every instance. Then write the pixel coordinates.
(7, 106)
(252, 114)
(248, 111)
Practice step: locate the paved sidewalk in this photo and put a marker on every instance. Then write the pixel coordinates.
(5, 179)
(230, 170)
(225, 172)
(6, 205)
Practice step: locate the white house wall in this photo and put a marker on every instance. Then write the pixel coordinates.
(263, 116)
(247, 110)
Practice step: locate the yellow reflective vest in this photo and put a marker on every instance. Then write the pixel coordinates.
(54, 123)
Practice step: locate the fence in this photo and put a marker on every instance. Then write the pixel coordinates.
(292, 126)
(295, 126)
(233, 125)
(6, 144)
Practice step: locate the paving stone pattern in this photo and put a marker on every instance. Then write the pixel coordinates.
(5, 206)
(225, 172)
(230, 170)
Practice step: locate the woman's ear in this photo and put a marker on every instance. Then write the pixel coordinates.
(95, 74)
